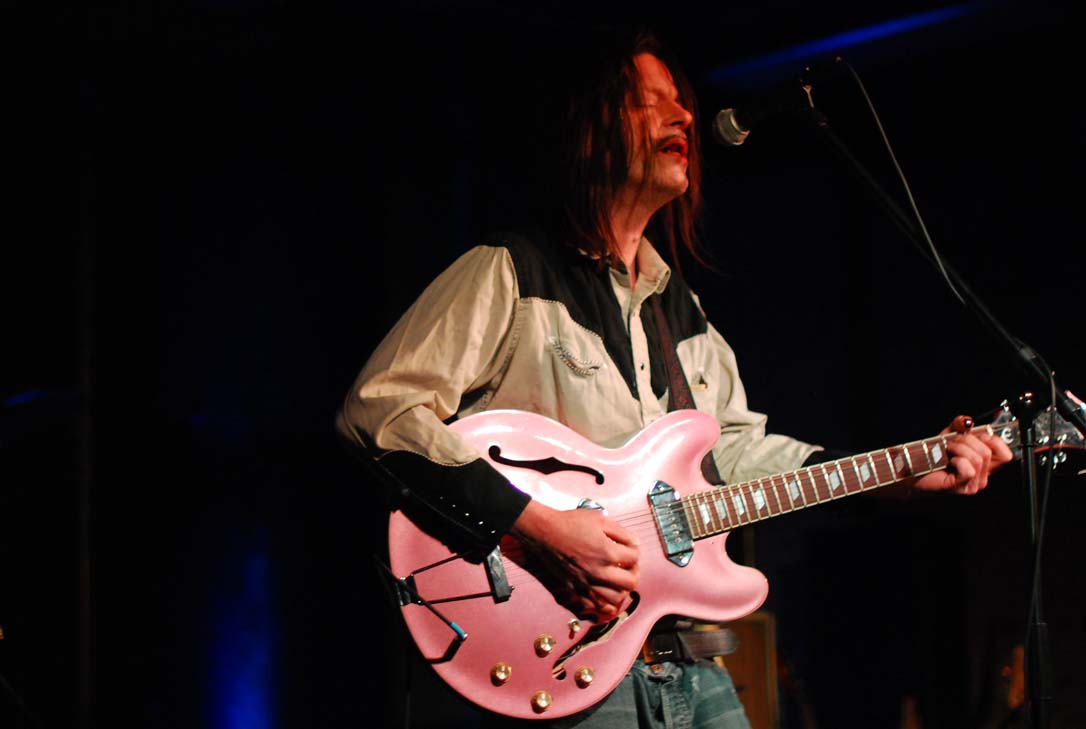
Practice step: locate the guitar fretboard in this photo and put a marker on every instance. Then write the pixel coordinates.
(726, 507)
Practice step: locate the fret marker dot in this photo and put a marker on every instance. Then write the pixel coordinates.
(759, 499)
(740, 507)
(937, 453)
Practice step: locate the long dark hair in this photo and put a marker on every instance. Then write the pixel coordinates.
(594, 141)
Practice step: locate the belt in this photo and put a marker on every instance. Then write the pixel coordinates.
(681, 643)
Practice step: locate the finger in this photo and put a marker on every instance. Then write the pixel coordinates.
(594, 604)
(963, 470)
(980, 455)
(961, 424)
(971, 449)
(1001, 452)
(618, 533)
(623, 556)
(609, 597)
(970, 441)
(617, 576)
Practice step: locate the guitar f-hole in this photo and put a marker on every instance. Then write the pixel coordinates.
(543, 465)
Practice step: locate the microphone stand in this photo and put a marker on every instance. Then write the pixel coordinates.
(1038, 661)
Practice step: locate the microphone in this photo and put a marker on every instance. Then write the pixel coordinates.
(732, 126)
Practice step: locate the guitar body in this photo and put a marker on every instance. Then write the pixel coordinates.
(505, 633)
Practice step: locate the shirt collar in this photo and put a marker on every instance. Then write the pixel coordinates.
(653, 273)
(651, 267)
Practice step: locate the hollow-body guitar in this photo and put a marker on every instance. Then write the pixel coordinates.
(494, 632)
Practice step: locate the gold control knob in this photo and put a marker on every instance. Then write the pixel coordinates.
(575, 626)
(544, 644)
(541, 701)
(584, 676)
(500, 673)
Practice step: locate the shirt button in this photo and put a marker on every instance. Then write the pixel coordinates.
(656, 668)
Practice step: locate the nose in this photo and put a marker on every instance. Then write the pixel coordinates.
(679, 116)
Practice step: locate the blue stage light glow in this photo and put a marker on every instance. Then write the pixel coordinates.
(759, 69)
(23, 397)
(242, 657)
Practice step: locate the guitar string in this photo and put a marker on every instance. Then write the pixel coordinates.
(818, 487)
(821, 491)
(643, 522)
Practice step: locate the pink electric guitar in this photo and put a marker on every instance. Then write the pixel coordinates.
(495, 633)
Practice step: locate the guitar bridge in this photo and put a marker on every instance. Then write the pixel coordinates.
(672, 523)
(495, 575)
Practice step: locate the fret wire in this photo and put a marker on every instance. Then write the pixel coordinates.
(787, 493)
(738, 502)
(721, 506)
(734, 494)
(722, 502)
(721, 510)
(714, 522)
(756, 489)
(717, 519)
(856, 470)
(831, 473)
(747, 501)
(825, 483)
(711, 528)
(698, 508)
(772, 491)
(690, 520)
(841, 475)
(800, 488)
(809, 473)
(874, 470)
(776, 494)
(709, 513)
(763, 509)
(927, 454)
(733, 515)
(890, 463)
(743, 499)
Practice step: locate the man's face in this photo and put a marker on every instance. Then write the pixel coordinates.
(658, 123)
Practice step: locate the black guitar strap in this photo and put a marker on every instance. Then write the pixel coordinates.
(679, 396)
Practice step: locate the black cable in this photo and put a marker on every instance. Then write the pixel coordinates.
(1035, 602)
(20, 705)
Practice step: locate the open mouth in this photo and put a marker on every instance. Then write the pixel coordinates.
(676, 146)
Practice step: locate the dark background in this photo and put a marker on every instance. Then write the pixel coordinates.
(215, 210)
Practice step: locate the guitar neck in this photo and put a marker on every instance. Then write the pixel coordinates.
(726, 507)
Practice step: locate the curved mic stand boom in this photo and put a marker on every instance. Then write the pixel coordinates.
(1039, 375)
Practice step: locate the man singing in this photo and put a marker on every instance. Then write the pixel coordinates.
(564, 320)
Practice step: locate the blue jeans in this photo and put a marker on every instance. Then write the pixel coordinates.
(663, 696)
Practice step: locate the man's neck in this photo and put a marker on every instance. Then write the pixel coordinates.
(628, 230)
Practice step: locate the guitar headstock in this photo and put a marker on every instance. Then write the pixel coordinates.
(1058, 433)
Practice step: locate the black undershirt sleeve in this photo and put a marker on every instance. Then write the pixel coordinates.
(471, 504)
